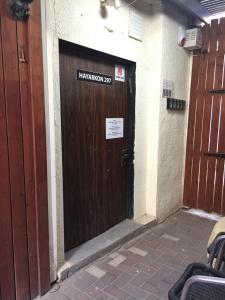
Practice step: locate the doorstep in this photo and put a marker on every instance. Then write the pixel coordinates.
(83, 255)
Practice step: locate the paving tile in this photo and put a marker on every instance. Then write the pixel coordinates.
(160, 267)
(170, 237)
(172, 261)
(75, 294)
(158, 278)
(104, 281)
(130, 269)
(109, 269)
(172, 277)
(122, 280)
(140, 279)
(138, 251)
(104, 259)
(96, 272)
(113, 255)
(144, 245)
(96, 293)
(135, 291)
(160, 290)
(152, 255)
(55, 296)
(132, 258)
(154, 297)
(144, 268)
(117, 261)
(83, 282)
(116, 292)
(167, 245)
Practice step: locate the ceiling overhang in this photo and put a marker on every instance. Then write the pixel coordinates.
(193, 7)
(213, 6)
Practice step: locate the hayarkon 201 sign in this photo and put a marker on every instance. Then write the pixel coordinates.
(94, 77)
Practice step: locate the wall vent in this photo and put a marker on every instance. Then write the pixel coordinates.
(136, 25)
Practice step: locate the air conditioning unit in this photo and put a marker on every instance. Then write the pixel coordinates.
(193, 39)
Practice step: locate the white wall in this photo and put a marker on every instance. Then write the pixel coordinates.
(176, 64)
(81, 22)
(156, 131)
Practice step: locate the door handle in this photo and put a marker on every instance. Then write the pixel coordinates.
(216, 154)
(125, 158)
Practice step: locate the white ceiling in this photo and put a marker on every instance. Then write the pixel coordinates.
(214, 6)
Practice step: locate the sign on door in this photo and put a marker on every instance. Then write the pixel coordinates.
(114, 128)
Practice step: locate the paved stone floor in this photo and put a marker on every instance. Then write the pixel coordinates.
(143, 268)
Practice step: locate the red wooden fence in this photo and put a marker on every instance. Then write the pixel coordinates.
(24, 246)
(204, 175)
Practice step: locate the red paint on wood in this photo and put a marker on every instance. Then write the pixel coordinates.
(203, 186)
(7, 283)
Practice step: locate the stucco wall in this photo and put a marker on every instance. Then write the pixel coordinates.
(176, 64)
(80, 22)
(159, 134)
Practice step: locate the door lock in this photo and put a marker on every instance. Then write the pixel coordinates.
(125, 158)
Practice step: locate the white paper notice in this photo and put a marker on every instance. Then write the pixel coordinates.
(114, 128)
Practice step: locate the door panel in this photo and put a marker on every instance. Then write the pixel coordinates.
(93, 178)
(204, 174)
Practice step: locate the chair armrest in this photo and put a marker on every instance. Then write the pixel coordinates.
(201, 279)
(220, 256)
(216, 246)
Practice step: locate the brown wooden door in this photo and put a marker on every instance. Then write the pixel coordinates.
(22, 262)
(95, 182)
(204, 174)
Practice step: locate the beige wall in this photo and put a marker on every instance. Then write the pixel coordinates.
(156, 131)
(176, 64)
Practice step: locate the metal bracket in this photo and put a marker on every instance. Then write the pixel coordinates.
(222, 91)
(217, 155)
(22, 58)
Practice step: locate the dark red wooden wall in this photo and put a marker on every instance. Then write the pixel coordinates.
(24, 250)
(204, 185)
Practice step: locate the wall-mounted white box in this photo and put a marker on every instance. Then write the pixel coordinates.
(193, 39)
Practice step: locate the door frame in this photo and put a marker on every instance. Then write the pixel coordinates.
(131, 68)
(39, 131)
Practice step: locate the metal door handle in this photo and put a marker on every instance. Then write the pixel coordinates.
(125, 157)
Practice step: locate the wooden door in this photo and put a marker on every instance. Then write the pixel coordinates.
(204, 174)
(24, 250)
(95, 169)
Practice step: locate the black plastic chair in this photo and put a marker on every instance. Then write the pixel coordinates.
(216, 252)
(199, 282)
(204, 288)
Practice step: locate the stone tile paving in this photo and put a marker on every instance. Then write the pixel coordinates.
(145, 267)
